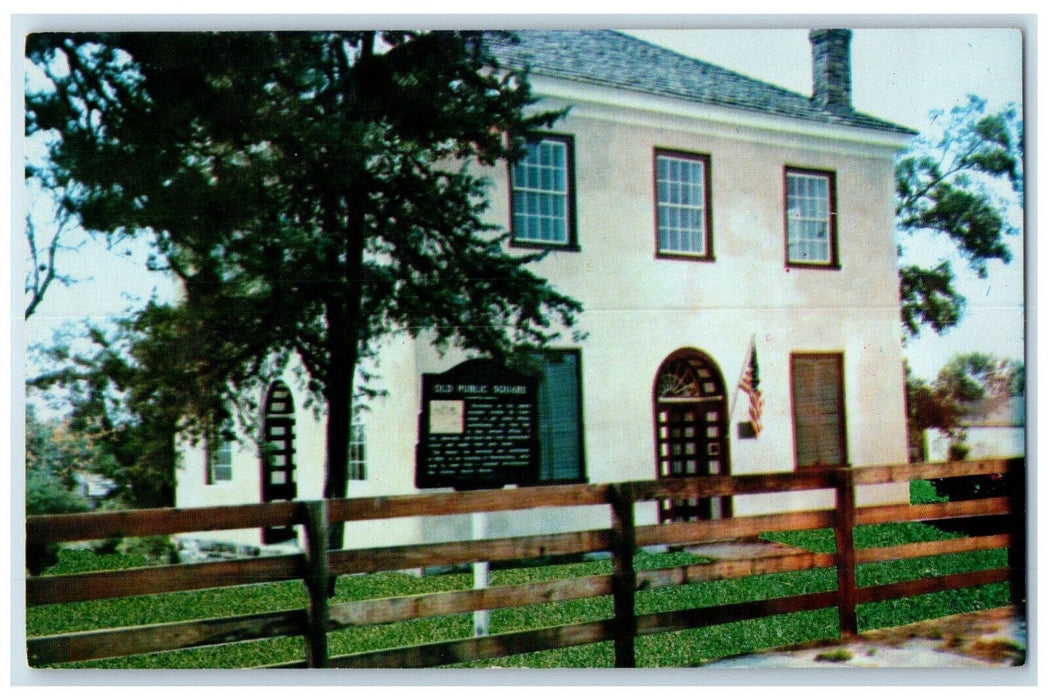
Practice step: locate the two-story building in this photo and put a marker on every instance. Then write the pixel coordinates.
(710, 224)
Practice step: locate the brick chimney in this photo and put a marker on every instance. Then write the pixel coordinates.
(831, 69)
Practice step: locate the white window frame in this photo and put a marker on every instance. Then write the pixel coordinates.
(682, 205)
(357, 467)
(811, 218)
(220, 462)
(542, 197)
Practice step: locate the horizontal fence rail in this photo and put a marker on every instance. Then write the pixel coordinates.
(316, 565)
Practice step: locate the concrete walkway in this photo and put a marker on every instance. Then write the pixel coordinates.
(984, 639)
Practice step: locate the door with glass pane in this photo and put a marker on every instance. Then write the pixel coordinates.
(691, 431)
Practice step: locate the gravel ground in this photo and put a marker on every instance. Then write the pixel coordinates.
(985, 639)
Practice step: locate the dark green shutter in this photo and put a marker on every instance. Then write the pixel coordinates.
(560, 418)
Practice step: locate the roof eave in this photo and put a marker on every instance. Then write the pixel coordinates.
(575, 90)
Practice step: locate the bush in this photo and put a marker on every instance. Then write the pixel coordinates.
(154, 550)
(967, 488)
(922, 491)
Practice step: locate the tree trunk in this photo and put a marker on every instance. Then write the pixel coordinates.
(339, 396)
(338, 393)
(343, 317)
(344, 221)
(339, 404)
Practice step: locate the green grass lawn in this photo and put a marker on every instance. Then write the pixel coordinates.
(684, 648)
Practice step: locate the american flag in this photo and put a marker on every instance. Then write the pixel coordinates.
(751, 385)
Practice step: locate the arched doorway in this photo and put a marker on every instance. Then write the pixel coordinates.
(278, 455)
(691, 430)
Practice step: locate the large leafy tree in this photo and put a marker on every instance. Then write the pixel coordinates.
(964, 382)
(974, 376)
(129, 389)
(959, 183)
(53, 453)
(313, 192)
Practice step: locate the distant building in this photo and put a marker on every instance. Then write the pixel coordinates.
(93, 488)
(993, 427)
(703, 218)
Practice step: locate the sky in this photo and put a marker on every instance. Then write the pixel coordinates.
(940, 68)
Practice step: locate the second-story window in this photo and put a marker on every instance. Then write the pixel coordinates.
(811, 218)
(682, 211)
(542, 200)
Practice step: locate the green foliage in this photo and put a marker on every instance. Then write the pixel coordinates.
(125, 403)
(922, 491)
(929, 297)
(903, 611)
(974, 376)
(835, 656)
(962, 381)
(822, 540)
(54, 453)
(44, 493)
(153, 551)
(950, 183)
(961, 384)
(313, 192)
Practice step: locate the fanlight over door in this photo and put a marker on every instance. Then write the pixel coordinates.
(691, 431)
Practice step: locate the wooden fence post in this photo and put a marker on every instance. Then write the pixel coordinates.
(844, 525)
(624, 577)
(316, 580)
(1016, 476)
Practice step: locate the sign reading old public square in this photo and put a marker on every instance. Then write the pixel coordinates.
(478, 427)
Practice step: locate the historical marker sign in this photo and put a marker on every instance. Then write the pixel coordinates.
(478, 427)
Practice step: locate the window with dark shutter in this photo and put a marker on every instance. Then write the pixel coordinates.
(560, 418)
(818, 409)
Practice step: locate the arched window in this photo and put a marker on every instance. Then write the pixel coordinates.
(691, 430)
(278, 455)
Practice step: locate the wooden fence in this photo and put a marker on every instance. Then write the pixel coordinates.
(316, 564)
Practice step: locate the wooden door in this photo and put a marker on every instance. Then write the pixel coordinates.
(817, 386)
(691, 431)
(278, 456)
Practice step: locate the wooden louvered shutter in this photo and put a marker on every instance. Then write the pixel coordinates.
(818, 410)
(560, 418)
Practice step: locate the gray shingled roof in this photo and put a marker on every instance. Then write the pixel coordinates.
(604, 57)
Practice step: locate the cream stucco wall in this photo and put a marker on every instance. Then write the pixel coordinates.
(639, 308)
